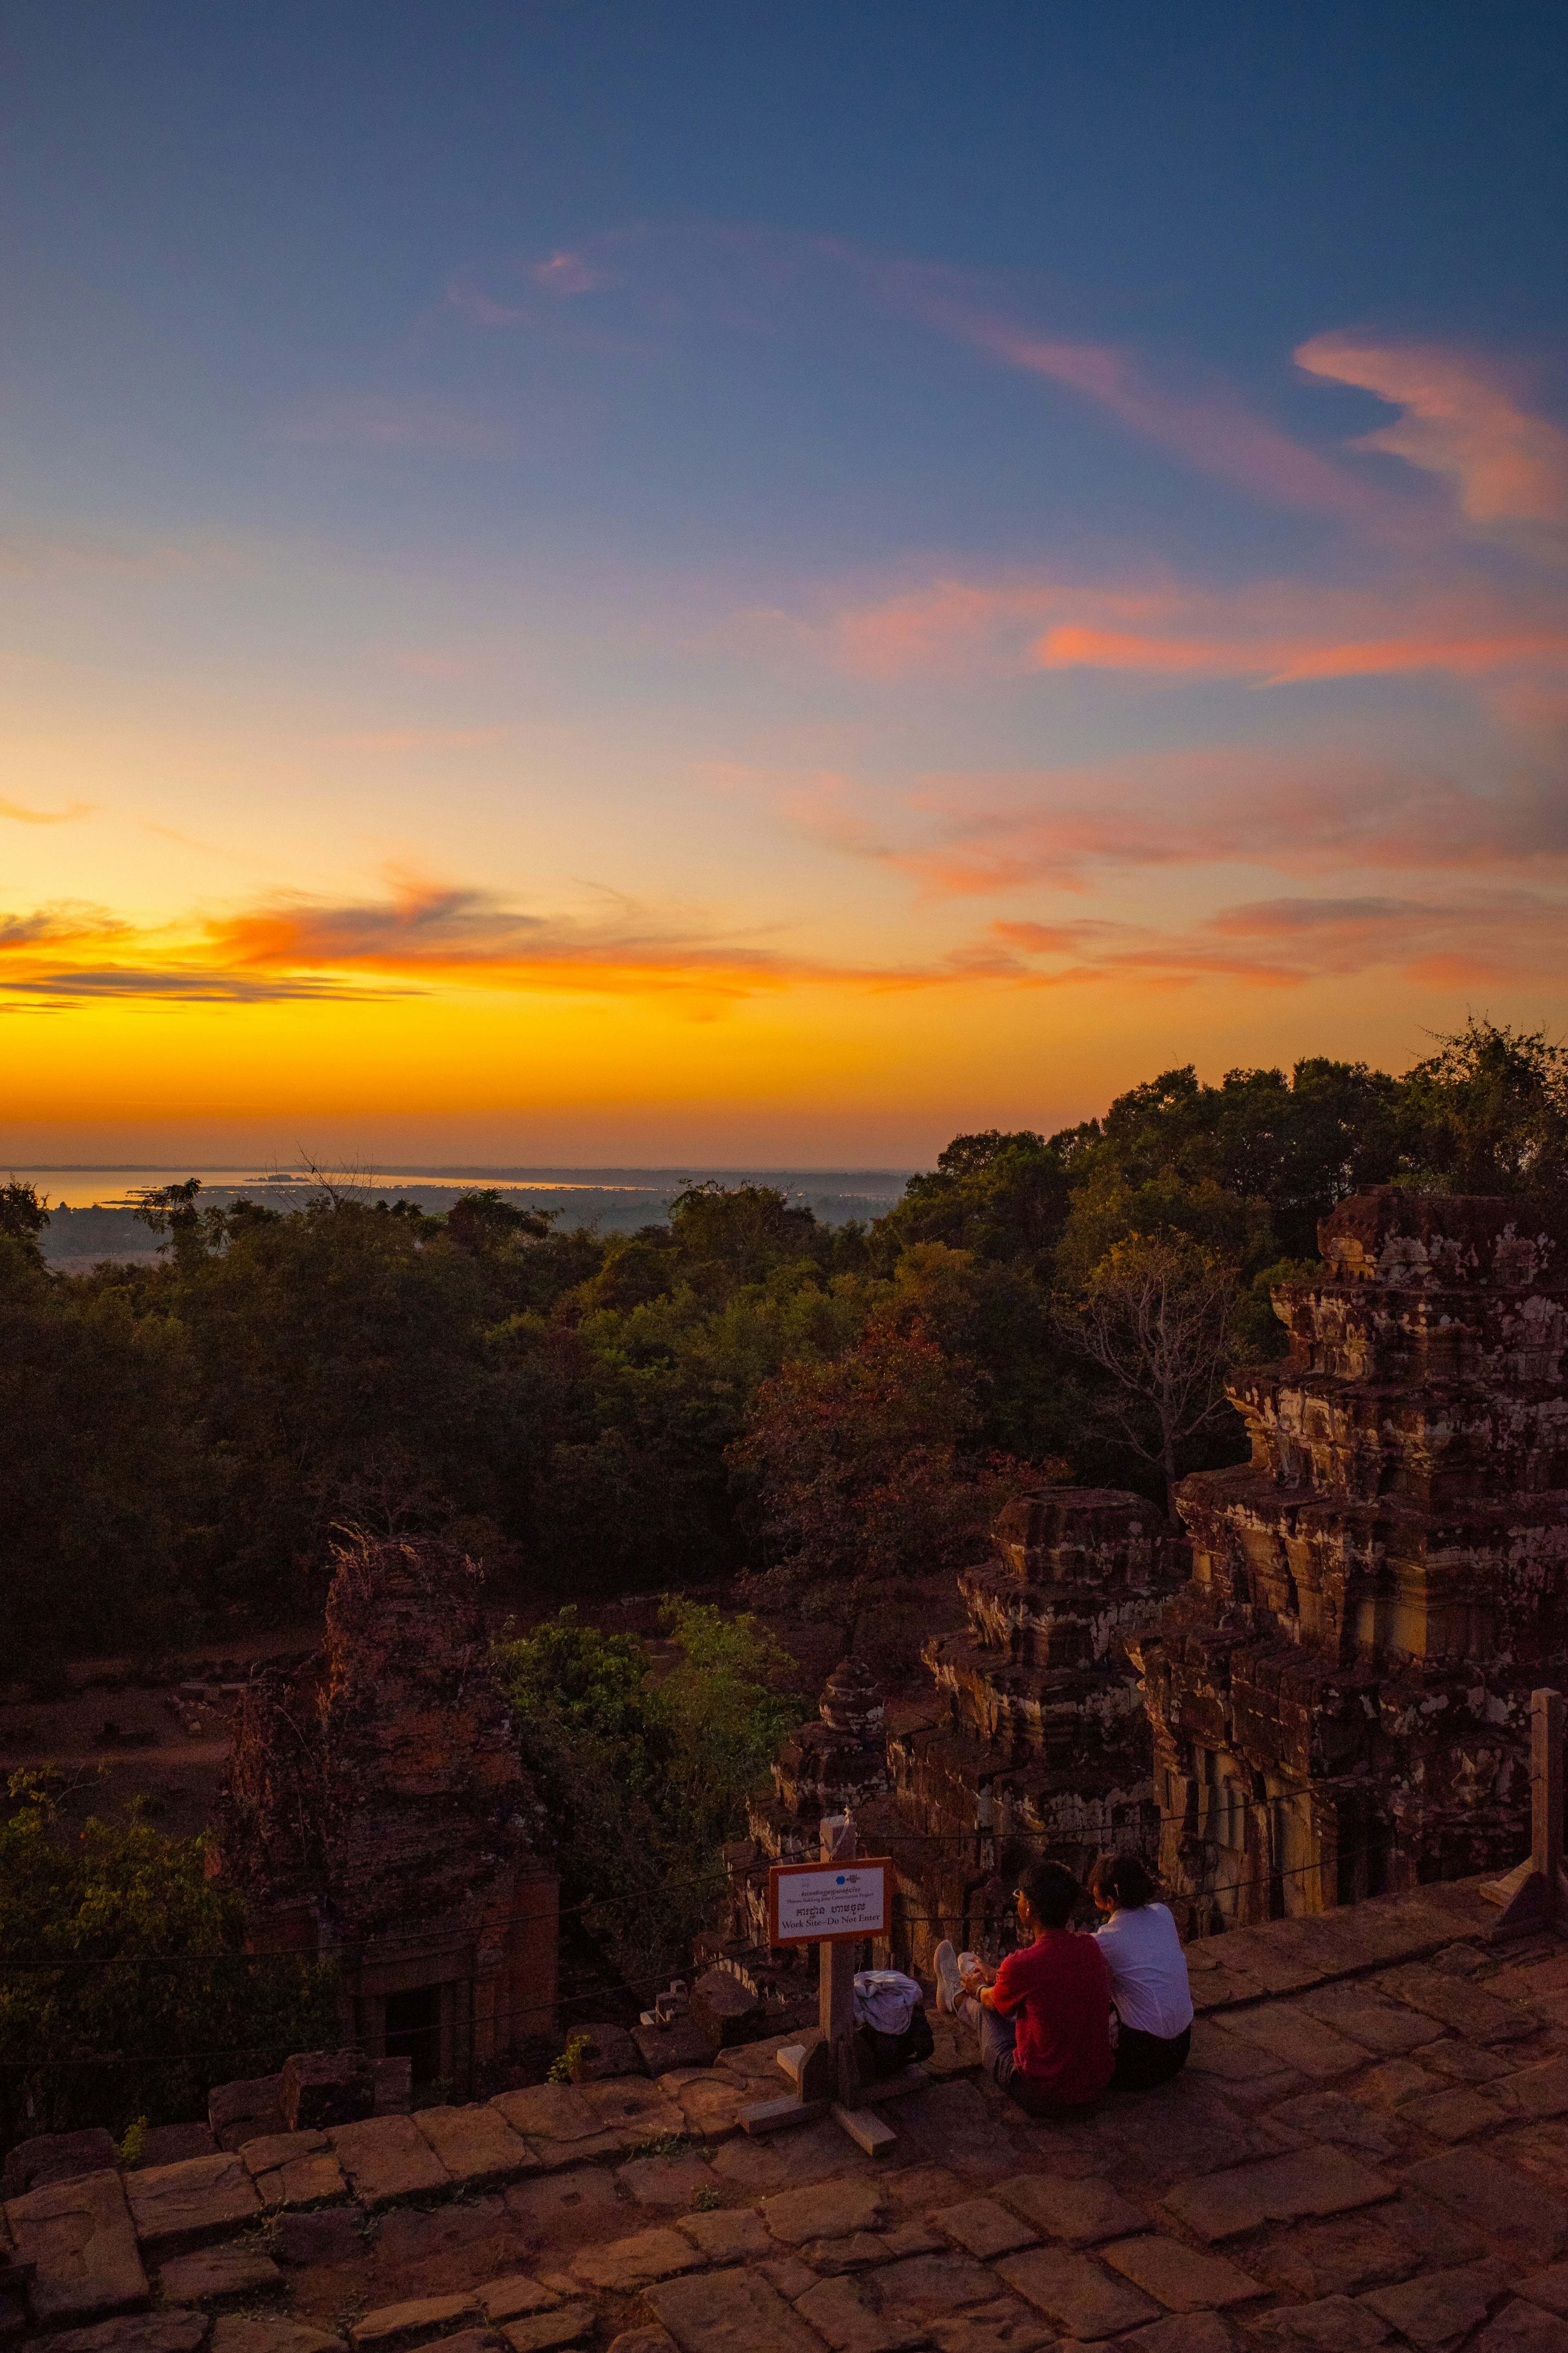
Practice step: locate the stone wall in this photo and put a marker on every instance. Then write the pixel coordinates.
(1340, 1699)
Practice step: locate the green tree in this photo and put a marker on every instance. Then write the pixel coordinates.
(1491, 1113)
(646, 1773)
(125, 1991)
(866, 1473)
(22, 1216)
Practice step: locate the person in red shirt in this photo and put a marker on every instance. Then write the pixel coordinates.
(1043, 2015)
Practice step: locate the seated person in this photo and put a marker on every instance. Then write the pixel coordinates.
(1148, 1974)
(1043, 2015)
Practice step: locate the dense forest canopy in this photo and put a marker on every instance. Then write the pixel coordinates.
(741, 1392)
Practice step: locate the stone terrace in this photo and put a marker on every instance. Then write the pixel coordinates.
(1369, 2148)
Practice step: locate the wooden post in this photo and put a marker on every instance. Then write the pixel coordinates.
(836, 1973)
(1535, 1896)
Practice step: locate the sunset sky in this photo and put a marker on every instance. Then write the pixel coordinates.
(626, 583)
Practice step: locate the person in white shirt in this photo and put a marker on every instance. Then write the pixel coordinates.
(1148, 1974)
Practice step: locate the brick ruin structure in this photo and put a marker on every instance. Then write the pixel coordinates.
(374, 1811)
(1340, 1699)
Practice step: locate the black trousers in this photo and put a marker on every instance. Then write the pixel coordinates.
(1144, 2060)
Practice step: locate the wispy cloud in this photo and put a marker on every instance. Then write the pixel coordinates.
(1330, 810)
(1461, 420)
(19, 815)
(375, 422)
(420, 937)
(1473, 940)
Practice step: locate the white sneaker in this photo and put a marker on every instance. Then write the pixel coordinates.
(949, 1979)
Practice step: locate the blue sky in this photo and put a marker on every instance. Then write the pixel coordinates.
(755, 549)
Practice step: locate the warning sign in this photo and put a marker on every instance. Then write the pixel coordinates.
(827, 1902)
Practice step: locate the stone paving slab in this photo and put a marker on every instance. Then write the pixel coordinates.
(1467, 2009)
(1336, 2323)
(411, 2323)
(1440, 2304)
(1077, 2211)
(1074, 2292)
(216, 2276)
(1178, 2276)
(727, 2238)
(627, 2265)
(983, 2227)
(730, 2312)
(142, 2332)
(853, 2317)
(477, 2147)
(825, 2210)
(1517, 2214)
(1522, 2328)
(306, 2182)
(1003, 2326)
(177, 2206)
(515, 2298)
(570, 2124)
(387, 2159)
(1281, 2189)
(566, 2325)
(80, 2237)
(1294, 2038)
(272, 2150)
(245, 2332)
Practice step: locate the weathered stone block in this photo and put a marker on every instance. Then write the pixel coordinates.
(245, 2111)
(143, 2332)
(266, 2155)
(1077, 2211)
(246, 2332)
(412, 2322)
(1279, 2189)
(515, 2298)
(825, 2210)
(730, 2312)
(323, 2088)
(178, 2207)
(79, 2236)
(476, 2146)
(568, 2325)
(386, 2160)
(984, 2227)
(627, 2265)
(57, 2157)
(306, 2181)
(855, 2318)
(1515, 2214)
(1074, 2292)
(738, 2236)
(725, 2010)
(219, 2275)
(1440, 2305)
(1001, 2326)
(1182, 2280)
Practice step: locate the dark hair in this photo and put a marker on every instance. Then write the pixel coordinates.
(1052, 1892)
(1123, 1880)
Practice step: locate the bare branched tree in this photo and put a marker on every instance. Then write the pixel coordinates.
(1155, 1314)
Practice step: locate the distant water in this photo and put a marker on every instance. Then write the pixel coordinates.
(93, 1208)
(108, 1185)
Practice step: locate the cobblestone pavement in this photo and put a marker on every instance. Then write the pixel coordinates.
(1370, 2148)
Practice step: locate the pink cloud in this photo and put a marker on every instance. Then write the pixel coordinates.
(1461, 420)
(1327, 811)
(1476, 939)
(566, 273)
(1210, 428)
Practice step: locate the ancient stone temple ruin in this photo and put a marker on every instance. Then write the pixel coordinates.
(1034, 1740)
(1039, 1744)
(374, 1810)
(1340, 1697)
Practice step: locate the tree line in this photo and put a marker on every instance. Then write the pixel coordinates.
(740, 1393)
